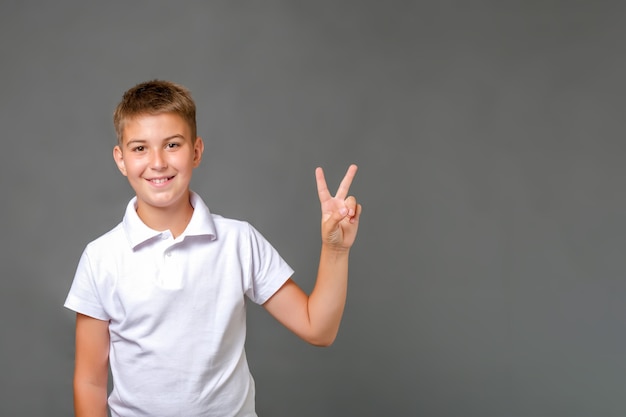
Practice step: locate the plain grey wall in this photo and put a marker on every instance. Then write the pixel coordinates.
(488, 276)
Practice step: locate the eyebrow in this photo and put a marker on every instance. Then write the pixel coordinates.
(141, 141)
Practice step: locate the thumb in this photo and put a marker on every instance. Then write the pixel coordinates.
(333, 218)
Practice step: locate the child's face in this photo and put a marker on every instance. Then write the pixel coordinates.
(157, 156)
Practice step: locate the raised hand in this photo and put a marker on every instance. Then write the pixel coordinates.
(340, 214)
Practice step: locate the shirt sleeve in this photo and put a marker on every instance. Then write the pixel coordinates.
(83, 295)
(268, 269)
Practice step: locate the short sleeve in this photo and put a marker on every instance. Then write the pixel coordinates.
(268, 269)
(83, 295)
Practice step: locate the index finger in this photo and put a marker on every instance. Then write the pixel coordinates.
(344, 187)
(322, 188)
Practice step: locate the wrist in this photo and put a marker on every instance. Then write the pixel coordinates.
(335, 250)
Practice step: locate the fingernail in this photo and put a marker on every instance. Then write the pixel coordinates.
(343, 211)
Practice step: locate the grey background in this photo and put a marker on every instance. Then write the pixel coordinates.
(488, 276)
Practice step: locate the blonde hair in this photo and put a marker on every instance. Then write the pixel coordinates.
(155, 97)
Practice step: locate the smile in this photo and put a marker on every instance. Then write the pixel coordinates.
(160, 180)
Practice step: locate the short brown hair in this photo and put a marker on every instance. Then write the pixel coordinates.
(155, 97)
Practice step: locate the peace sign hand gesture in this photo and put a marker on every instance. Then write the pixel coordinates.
(340, 214)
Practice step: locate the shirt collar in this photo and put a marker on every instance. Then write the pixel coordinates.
(201, 223)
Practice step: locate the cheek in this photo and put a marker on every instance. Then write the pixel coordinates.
(133, 167)
(183, 162)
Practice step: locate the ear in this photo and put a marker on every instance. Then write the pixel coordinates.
(198, 149)
(119, 159)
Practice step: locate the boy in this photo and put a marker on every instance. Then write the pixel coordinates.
(160, 298)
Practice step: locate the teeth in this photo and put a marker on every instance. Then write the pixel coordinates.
(159, 180)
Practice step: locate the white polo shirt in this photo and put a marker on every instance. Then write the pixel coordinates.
(176, 311)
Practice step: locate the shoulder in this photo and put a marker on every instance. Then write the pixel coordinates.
(114, 238)
(102, 253)
(241, 230)
(229, 227)
(228, 223)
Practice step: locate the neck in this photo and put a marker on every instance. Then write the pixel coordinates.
(175, 219)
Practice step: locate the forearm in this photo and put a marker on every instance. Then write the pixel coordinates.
(316, 317)
(90, 400)
(328, 298)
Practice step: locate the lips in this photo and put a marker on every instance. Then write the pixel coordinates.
(162, 180)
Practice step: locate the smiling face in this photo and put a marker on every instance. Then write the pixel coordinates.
(157, 155)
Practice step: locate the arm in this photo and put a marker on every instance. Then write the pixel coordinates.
(92, 367)
(316, 317)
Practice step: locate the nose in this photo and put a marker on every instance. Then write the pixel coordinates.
(158, 161)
